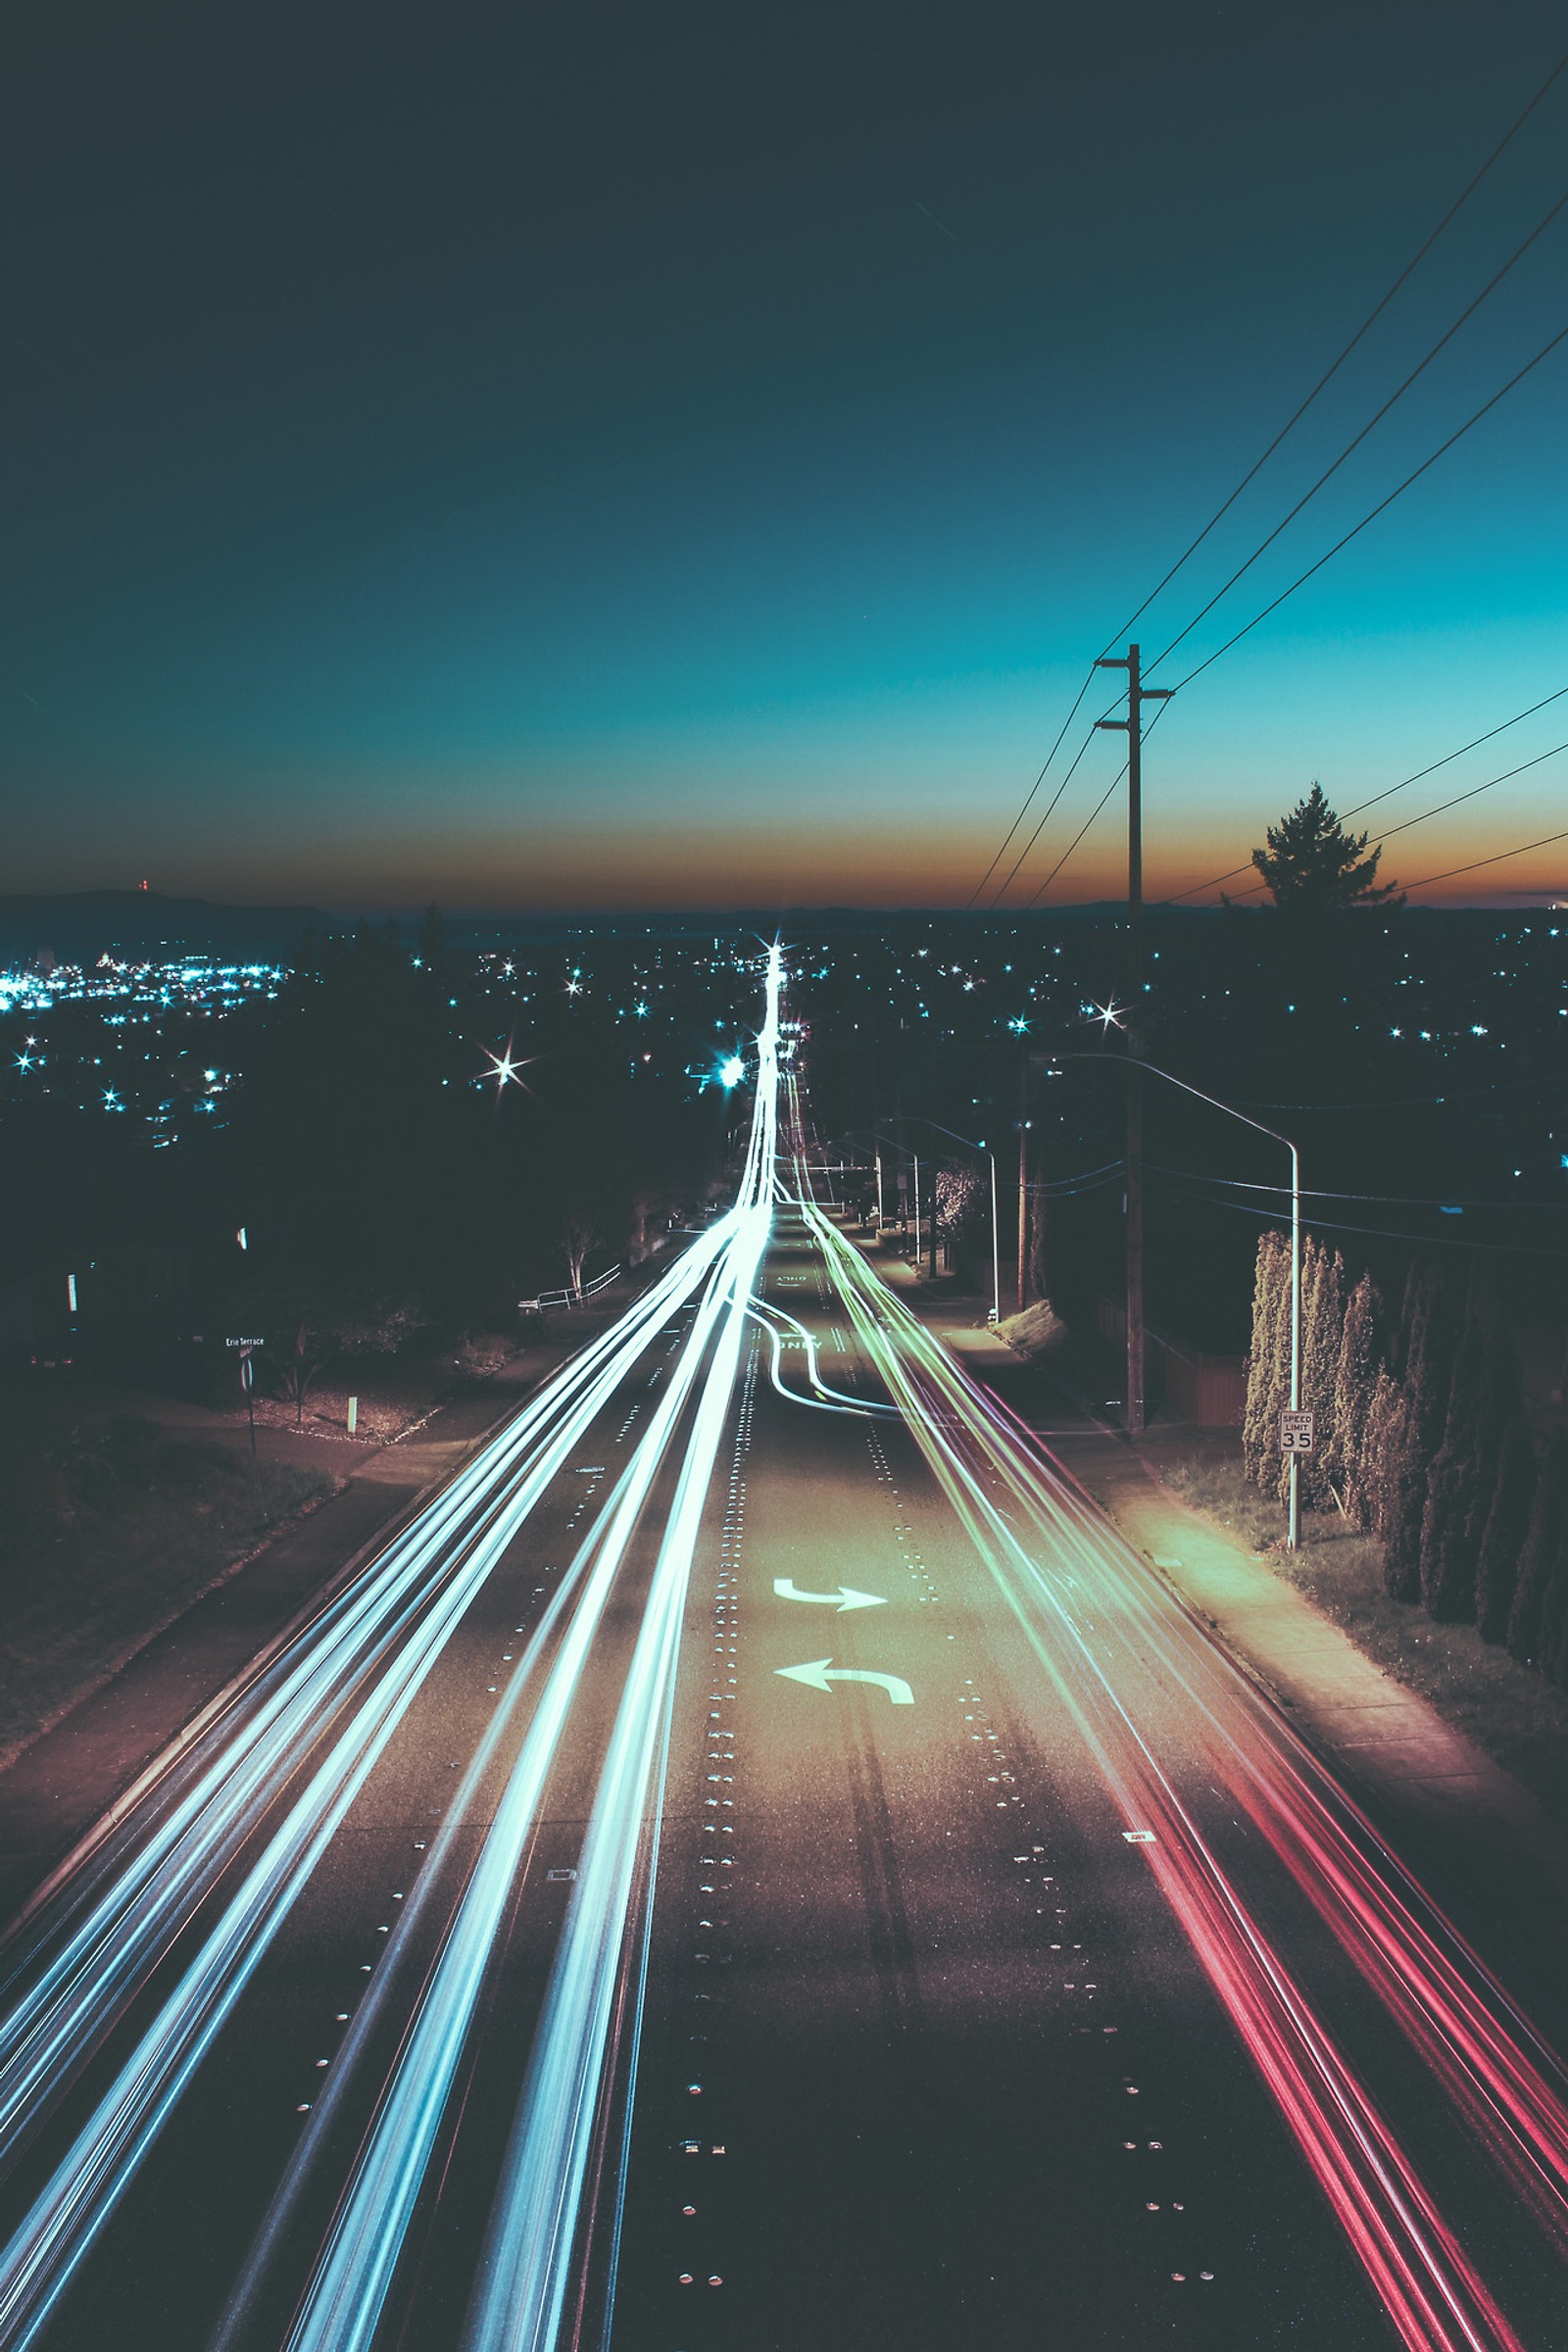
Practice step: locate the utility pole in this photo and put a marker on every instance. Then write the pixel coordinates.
(1133, 727)
(1024, 1180)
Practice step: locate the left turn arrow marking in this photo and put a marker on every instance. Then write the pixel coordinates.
(822, 1674)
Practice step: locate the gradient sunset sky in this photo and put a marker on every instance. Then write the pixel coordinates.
(691, 456)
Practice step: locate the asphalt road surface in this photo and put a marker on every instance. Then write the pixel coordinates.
(758, 1864)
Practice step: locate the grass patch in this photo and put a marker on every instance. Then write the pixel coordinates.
(73, 1605)
(1510, 1711)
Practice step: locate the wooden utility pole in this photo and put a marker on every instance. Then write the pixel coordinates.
(1024, 1180)
(1132, 726)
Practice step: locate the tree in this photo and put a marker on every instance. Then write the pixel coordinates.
(1383, 1443)
(1271, 1304)
(1507, 1525)
(1540, 1559)
(1313, 867)
(578, 1235)
(1355, 1371)
(1430, 1339)
(1464, 1473)
(1322, 1331)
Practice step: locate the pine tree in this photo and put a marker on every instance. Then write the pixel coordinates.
(1313, 867)
(1464, 1473)
(1507, 1525)
(1271, 1297)
(1354, 1375)
(1537, 1560)
(1429, 1376)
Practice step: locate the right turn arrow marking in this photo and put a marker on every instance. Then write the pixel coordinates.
(845, 1597)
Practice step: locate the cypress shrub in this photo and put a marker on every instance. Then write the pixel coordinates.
(1261, 1438)
(1383, 1440)
(1538, 1558)
(1507, 1525)
(1322, 1334)
(1429, 1354)
(1464, 1473)
(1355, 1371)
(1552, 1645)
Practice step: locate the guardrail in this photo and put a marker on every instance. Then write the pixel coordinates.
(568, 1297)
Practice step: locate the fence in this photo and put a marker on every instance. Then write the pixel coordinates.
(1209, 1390)
(568, 1297)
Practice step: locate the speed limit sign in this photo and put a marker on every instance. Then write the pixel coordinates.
(1296, 1431)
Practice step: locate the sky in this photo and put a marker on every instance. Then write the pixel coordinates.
(686, 457)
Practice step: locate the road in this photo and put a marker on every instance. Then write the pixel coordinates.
(757, 1863)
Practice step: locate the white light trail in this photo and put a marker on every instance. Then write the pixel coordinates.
(526, 2270)
(395, 1620)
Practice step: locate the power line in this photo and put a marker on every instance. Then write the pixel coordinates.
(1443, 807)
(1386, 1199)
(1476, 862)
(1388, 793)
(1372, 423)
(1077, 837)
(1315, 567)
(1474, 792)
(1448, 757)
(1003, 887)
(1426, 464)
(1043, 886)
(1465, 1093)
(1033, 789)
(1333, 369)
(1379, 1232)
(1291, 422)
(1084, 1182)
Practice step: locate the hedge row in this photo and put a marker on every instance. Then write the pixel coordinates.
(1422, 1440)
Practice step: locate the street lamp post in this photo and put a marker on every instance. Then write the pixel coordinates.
(1294, 1528)
(972, 1145)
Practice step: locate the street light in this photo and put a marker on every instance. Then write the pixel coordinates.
(896, 1145)
(1122, 1062)
(970, 1143)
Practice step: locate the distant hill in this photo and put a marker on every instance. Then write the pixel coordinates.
(80, 926)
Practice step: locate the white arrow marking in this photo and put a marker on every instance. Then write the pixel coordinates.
(845, 1597)
(822, 1672)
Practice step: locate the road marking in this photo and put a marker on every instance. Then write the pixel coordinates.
(845, 1597)
(821, 1672)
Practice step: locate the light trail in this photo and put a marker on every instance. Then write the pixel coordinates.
(109, 1941)
(827, 1400)
(1497, 2074)
(527, 2267)
(374, 1649)
(344, 2300)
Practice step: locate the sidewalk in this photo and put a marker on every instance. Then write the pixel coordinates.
(1475, 1837)
(80, 1768)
